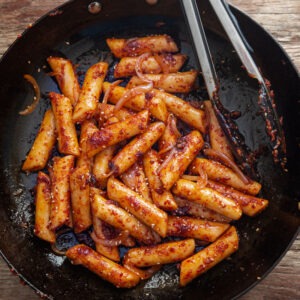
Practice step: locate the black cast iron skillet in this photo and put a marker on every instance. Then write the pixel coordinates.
(73, 32)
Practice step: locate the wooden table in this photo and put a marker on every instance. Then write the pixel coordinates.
(282, 19)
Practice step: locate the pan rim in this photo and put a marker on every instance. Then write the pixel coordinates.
(36, 23)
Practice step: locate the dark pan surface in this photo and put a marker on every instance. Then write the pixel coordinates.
(73, 32)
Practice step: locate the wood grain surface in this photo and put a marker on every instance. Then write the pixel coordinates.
(282, 19)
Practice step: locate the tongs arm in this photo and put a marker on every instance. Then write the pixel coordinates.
(201, 46)
(266, 102)
(230, 25)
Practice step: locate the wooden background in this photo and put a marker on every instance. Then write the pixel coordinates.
(282, 19)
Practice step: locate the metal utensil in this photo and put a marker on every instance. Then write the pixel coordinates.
(201, 46)
(238, 147)
(235, 36)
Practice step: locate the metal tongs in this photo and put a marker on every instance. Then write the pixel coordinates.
(230, 26)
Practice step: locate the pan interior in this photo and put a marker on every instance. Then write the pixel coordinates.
(262, 239)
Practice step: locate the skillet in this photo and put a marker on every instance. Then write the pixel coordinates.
(77, 34)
